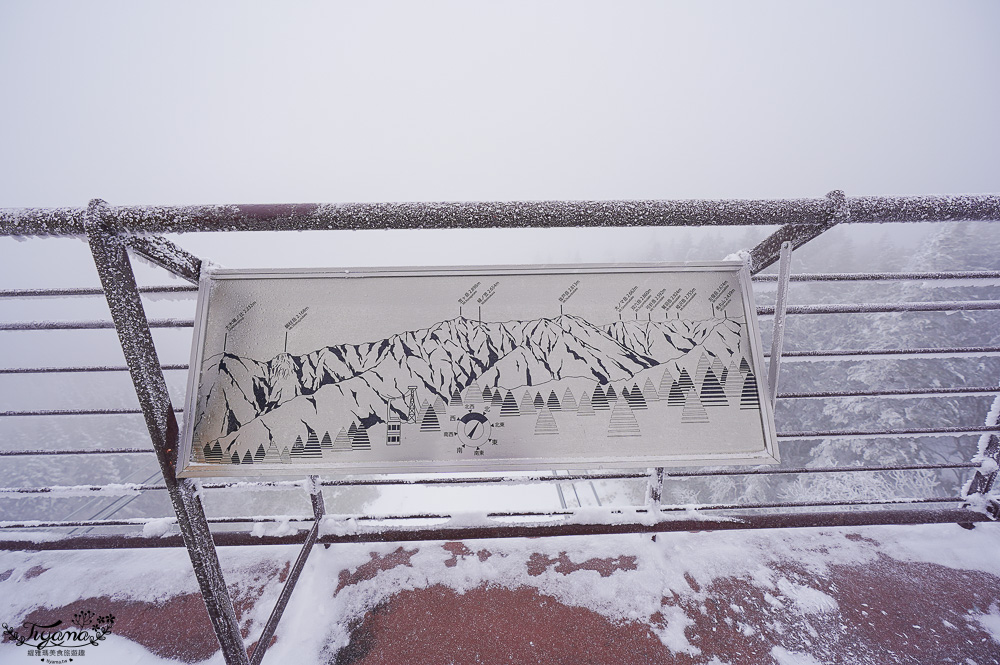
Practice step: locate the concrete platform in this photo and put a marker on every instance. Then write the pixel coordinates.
(878, 595)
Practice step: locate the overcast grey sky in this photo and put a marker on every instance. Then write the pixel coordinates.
(241, 102)
(230, 102)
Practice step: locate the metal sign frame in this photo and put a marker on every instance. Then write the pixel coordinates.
(721, 441)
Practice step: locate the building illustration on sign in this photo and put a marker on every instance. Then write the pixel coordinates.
(655, 363)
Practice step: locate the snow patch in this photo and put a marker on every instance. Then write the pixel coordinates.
(672, 632)
(283, 526)
(990, 622)
(158, 528)
(742, 256)
(938, 543)
(472, 518)
(785, 657)
(807, 599)
(338, 526)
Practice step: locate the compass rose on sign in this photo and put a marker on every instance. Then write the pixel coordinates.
(473, 431)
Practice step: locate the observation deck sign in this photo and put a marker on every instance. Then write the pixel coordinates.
(475, 369)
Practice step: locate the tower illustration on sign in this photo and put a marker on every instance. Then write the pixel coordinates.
(394, 421)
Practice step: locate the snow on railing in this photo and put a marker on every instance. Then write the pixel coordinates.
(502, 214)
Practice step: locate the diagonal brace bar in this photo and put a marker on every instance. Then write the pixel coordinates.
(767, 252)
(118, 280)
(167, 255)
(319, 510)
(778, 333)
(977, 492)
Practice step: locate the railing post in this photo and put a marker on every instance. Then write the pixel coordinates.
(122, 293)
(654, 488)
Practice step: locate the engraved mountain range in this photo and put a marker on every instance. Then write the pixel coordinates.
(360, 382)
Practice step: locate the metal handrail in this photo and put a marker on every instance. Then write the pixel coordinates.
(502, 214)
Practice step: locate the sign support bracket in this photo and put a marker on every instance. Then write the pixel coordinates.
(780, 306)
(654, 493)
(319, 510)
(767, 252)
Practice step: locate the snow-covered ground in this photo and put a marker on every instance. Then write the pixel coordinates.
(797, 596)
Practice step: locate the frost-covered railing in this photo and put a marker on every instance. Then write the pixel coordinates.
(926, 466)
(801, 220)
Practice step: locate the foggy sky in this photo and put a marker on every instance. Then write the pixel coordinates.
(233, 102)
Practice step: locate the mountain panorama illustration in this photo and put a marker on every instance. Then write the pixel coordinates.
(439, 384)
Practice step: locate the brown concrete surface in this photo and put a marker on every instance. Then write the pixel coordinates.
(892, 612)
(885, 612)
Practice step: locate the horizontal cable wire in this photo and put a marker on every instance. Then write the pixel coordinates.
(831, 354)
(802, 277)
(686, 507)
(817, 504)
(90, 325)
(883, 276)
(958, 431)
(879, 308)
(77, 412)
(915, 393)
(919, 431)
(765, 310)
(834, 354)
(634, 475)
(895, 515)
(58, 293)
(91, 368)
(76, 491)
(904, 392)
(827, 469)
(82, 451)
(673, 508)
(142, 521)
(515, 514)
